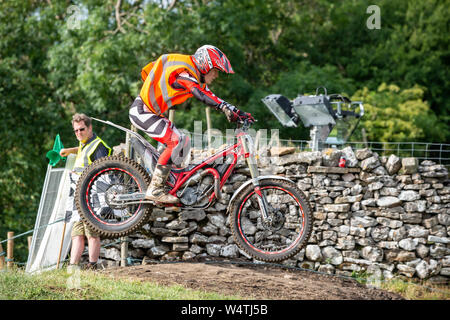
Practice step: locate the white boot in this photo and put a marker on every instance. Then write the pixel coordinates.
(156, 191)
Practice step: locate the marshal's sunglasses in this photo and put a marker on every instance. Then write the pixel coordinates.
(81, 130)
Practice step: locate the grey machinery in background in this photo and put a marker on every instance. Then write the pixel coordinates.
(321, 114)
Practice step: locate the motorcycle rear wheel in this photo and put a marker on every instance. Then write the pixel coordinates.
(96, 188)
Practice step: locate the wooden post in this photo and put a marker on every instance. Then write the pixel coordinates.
(61, 244)
(123, 251)
(364, 136)
(29, 239)
(208, 126)
(10, 250)
(2, 258)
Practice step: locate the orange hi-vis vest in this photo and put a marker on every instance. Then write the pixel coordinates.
(157, 94)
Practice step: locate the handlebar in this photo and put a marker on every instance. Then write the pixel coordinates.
(244, 125)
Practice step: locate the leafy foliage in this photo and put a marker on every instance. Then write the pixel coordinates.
(398, 115)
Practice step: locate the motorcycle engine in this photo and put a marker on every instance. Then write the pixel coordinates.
(188, 197)
(196, 193)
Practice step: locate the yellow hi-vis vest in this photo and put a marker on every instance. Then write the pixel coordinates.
(85, 152)
(156, 93)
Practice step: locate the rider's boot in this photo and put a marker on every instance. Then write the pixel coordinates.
(156, 191)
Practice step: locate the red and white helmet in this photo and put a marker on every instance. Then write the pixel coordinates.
(208, 57)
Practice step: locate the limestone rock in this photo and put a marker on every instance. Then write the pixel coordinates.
(197, 215)
(373, 254)
(175, 239)
(393, 224)
(369, 164)
(350, 158)
(406, 270)
(229, 251)
(409, 165)
(112, 253)
(344, 207)
(409, 195)
(213, 249)
(333, 256)
(408, 244)
(313, 253)
(424, 269)
(161, 216)
(310, 158)
(157, 251)
(281, 151)
(330, 157)
(388, 202)
(393, 164)
(143, 243)
(362, 154)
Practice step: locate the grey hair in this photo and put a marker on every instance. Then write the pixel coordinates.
(78, 117)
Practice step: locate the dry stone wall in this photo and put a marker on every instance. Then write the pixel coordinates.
(382, 216)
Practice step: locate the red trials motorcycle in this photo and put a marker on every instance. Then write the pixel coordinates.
(270, 218)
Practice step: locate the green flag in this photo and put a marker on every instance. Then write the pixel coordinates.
(53, 155)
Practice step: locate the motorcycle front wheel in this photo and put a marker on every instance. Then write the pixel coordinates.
(94, 197)
(288, 229)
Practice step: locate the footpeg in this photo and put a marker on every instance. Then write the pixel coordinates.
(172, 209)
(129, 196)
(127, 199)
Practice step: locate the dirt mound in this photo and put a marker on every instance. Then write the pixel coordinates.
(253, 281)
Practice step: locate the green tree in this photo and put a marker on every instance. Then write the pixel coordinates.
(28, 114)
(398, 115)
(412, 46)
(49, 70)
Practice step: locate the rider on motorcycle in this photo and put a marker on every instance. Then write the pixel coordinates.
(168, 81)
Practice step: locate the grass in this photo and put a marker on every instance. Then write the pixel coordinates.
(414, 291)
(88, 285)
(407, 288)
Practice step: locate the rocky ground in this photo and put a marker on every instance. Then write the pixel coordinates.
(253, 281)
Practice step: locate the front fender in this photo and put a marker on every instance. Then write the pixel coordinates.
(261, 178)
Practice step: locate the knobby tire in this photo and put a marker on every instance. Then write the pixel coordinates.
(135, 174)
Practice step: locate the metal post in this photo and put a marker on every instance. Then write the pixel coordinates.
(124, 240)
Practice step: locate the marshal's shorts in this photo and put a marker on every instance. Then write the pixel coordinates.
(80, 229)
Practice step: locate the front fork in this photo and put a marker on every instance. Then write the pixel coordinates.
(249, 153)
